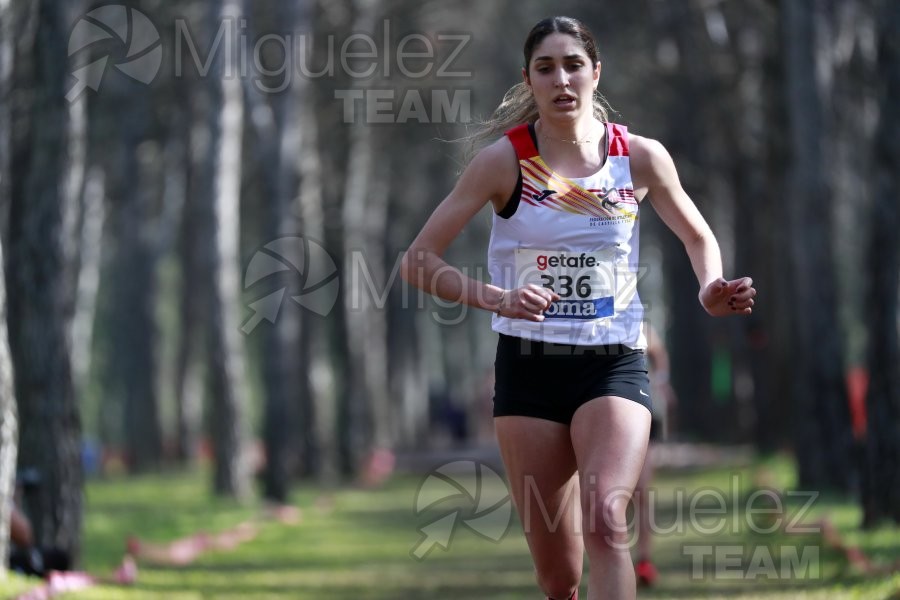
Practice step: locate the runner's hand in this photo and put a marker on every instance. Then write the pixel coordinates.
(527, 302)
(735, 297)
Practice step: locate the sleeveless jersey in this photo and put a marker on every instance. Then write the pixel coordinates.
(577, 236)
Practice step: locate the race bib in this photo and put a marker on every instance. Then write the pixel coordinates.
(585, 281)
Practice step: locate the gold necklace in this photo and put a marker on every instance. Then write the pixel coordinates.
(587, 140)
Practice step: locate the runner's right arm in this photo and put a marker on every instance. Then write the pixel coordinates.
(491, 176)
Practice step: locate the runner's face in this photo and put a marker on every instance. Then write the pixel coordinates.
(562, 77)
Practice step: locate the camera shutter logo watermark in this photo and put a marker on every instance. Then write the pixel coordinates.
(463, 492)
(140, 58)
(314, 279)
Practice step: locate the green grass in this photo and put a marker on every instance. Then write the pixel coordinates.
(356, 544)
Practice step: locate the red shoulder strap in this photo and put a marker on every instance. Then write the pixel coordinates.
(522, 142)
(618, 139)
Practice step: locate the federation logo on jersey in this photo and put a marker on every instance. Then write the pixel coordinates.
(609, 199)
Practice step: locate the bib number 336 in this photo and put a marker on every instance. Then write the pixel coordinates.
(585, 281)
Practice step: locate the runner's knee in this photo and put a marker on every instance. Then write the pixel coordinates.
(559, 584)
(605, 518)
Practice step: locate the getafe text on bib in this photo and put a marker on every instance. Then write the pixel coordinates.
(585, 281)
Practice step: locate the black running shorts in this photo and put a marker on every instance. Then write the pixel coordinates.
(551, 381)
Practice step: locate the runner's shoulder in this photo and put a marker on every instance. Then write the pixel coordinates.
(496, 169)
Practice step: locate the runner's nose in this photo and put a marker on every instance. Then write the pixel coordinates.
(562, 78)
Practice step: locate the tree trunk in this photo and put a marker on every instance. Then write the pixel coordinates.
(197, 247)
(690, 327)
(188, 377)
(881, 488)
(9, 424)
(361, 403)
(282, 366)
(408, 381)
(407, 356)
(9, 418)
(190, 248)
(38, 328)
(318, 443)
(355, 424)
(73, 183)
(758, 211)
(91, 236)
(317, 447)
(225, 344)
(365, 211)
(823, 438)
(135, 334)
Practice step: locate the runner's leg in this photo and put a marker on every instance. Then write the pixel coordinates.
(540, 467)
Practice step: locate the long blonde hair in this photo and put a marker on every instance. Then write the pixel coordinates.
(518, 105)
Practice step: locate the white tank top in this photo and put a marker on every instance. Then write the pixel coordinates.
(578, 236)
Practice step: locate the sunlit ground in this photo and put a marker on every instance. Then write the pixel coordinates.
(357, 544)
